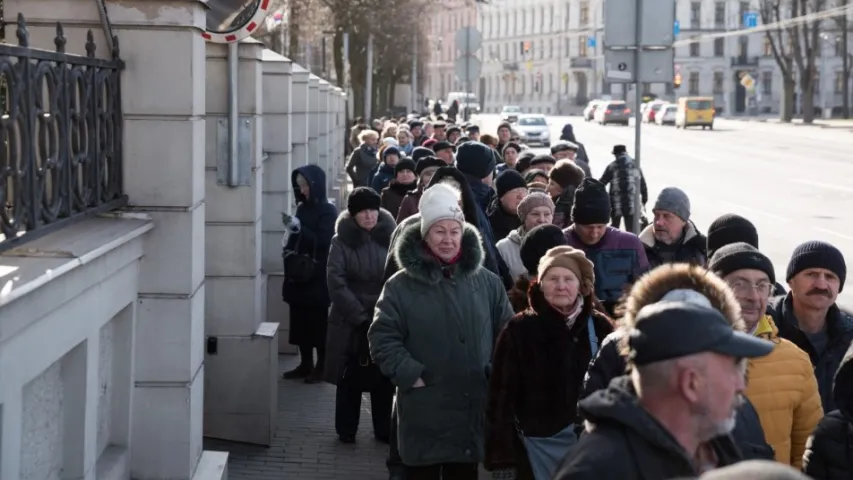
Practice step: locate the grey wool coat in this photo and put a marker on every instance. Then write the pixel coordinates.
(354, 275)
(439, 325)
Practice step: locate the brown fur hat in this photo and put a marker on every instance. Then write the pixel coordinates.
(566, 173)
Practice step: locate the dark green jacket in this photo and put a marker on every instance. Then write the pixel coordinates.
(439, 327)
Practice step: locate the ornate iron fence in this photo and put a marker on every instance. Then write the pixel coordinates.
(60, 136)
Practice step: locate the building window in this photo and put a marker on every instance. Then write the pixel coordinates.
(766, 83)
(816, 82)
(839, 82)
(582, 46)
(584, 14)
(720, 15)
(694, 49)
(566, 13)
(693, 83)
(695, 14)
(567, 51)
(838, 46)
(767, 49)
(718, 82)
(550, 48)
(647, 88)
(541, 49)
(743, 46)
(719, 47)
(743, 8)
(551, 19)
(541, 19)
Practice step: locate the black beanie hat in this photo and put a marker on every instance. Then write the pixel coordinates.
(442, 145)
(817, 254)
(362, 198)
(404, 164)
(532, 173)
(740, 255)
(513, 146)
(542, 158)
(391, 150)
(509, 180)
(421, 152)
(475, 159)
(536, 242)
(426, 162)
(524, 159)
(592, 203)
(730, 228)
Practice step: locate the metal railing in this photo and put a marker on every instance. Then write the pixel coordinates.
(60, 136)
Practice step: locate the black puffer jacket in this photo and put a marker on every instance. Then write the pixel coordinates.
(829, 451)
(748, 434)
(623, 441)
(839, 327)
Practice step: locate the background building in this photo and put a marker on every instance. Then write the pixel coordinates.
(547, 56)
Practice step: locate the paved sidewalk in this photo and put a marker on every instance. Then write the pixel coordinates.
(798, 122)
(305, 446)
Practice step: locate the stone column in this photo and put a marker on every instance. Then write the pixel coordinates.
(278, 189)
(313, 119)
(324, 90)
(245, 357)
(164, 175)
(299, 116)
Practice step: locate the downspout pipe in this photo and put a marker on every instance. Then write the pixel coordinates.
(233, 115)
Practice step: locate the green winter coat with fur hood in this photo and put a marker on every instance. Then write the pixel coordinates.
(439, 327)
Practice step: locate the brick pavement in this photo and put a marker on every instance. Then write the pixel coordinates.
(305, 446)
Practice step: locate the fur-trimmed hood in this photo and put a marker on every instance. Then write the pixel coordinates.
(660, 281)
(417, 262)
(353, 236)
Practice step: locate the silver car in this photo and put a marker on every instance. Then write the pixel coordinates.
(534, 130)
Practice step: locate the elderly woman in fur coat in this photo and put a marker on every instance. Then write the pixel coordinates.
(355, 274)
(538, 368)
(433, 332)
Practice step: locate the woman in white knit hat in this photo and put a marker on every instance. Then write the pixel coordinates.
(433, 332)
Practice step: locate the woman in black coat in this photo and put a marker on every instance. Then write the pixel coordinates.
(539, 363)
(829, 451)
(306, 253)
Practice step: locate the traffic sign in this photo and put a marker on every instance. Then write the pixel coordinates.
(229, 21)
(750, 19)
(590, 42)
(468, 40)
(467, 68)
(676, 28)
(748, 82)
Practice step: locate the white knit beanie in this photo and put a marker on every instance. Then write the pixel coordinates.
(439, 202)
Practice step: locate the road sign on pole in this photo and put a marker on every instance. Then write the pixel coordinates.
(467, 68)
(750, 19)
(638, 38)
(468, 40)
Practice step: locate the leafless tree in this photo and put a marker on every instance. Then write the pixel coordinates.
(842, 22)
(795, 45)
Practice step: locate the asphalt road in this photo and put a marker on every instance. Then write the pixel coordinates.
(795, 183)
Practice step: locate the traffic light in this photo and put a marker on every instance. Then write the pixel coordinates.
(676, 82)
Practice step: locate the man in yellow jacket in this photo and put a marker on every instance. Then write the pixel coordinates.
(782, 385)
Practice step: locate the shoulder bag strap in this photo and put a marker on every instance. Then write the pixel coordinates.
(593, 338)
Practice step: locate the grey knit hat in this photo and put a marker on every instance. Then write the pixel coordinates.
(672, 199)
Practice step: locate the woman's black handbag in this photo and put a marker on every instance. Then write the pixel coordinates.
(299, 267)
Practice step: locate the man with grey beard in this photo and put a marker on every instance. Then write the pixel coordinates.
(671, 416)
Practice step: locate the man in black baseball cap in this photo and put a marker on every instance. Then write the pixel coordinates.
(678, 404)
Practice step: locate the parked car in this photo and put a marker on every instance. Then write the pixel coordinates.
(613, 112)
(589, 111)
(534, 130)
(666, 114)
(510, 113)
(652, 110)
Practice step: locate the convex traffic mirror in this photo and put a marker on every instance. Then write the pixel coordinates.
(230, 21)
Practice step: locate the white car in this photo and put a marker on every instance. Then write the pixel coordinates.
(534, 130)
(666, 114)
(510, 113)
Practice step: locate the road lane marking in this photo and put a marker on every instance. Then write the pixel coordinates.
(752, 210)
(823, 185)
(832, 232)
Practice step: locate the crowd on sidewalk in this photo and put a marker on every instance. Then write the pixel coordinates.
(501, 311)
